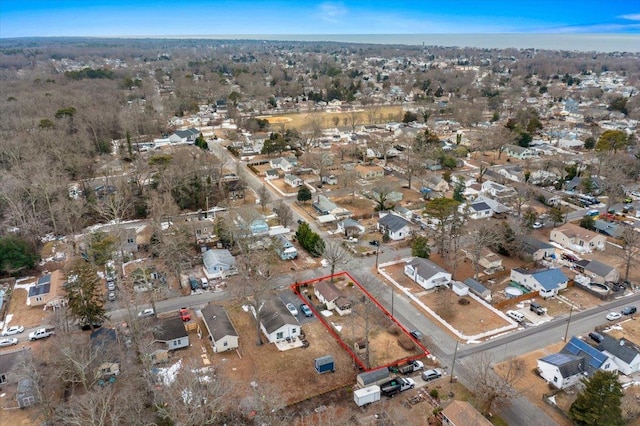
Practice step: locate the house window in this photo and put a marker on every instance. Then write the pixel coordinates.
(176, 342)
(130, 240)
(3, 378)
(294, 330)
(555, 379)
(606, 367)
(225, 344)
(279, 335)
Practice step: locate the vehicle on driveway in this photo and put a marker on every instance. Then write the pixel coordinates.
(9, 341)
(306, 310)
(612, 316)
(185, 315)
(146, 313)
(16, 329)
(629, 310)
(291, 307)
(536, 225)
(416, 334)
(41, 333)
(428, 375)
(374, 243)
(596, 337)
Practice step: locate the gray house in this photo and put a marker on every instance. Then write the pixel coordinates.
(398, 228)
(172, 333)
(218, 263)
(277, 323)
(285, 248)
(535, 248)
(222, 333)
(601, 273)
(478, 289)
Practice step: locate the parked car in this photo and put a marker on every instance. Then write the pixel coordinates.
(629, 310)
(428, 375)
(515, 315)
(374, 243)
(416, 334)
(292, 309)
(536, 225)
(193, 282)
(537, 308)
(111, 296)
(612, 316)
(185, 315)
(111, 285)
(596, 337)
(16, 329)
(9, 341)
(306, 311)
(146, 313)
(87, 327)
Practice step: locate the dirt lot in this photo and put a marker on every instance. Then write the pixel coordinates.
(326, 119)
(286, 370)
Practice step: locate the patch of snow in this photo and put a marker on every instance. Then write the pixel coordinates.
(168, 375)
(474, 341)
(245, 308)
(326, 313)
(552, 399)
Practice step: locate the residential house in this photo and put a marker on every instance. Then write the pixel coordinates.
(610, 229)
(48, 291)
(172, 333)
(535, 248)
(575, 361)
(499, 209)
(235, 189)
(600, 272)
(436, 183)
(104, 341)
(391, 196)
(625, 354)
(9, 360)
(547, 282)
(271, 174)
(350, 227)
(259, 227)
(489, 260)
(498, 191)
(577, 238)
(461, 413)
(595, 185)
(324, 206)
(330, 180)
(403, 211)
(184, 136)
(478, 289)
(369, 172)
(285, 248)
(395, 226)
(218, 263)
(222, 334)
(459, 288)
(426, 273)
(277, 323)
(476, 210)
(521, 153)
(284, 164)
(328, 293)
(204, 230)
(292, 180)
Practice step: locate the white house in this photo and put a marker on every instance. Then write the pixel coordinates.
(574, 362)
(292, 180)
(172, 333)
(426, 273)
(545, 281)
(497, 191)
(284, 164)
(625, 354)
(577, 238)
(222, 334)
(219, 263)
(395, 226)
(350, 227)
(277, 323)
(328, 293)
(476, 210)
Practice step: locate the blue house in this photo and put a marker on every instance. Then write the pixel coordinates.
(547, 282)
(285, 248)
(259, 227)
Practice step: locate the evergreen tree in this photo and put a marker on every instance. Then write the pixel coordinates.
(15, 255)
(84, 293)
(304, 194)
(420, 247)
(599, 403)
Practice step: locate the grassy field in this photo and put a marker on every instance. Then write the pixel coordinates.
(373, 115)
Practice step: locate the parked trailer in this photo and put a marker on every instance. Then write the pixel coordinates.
(366, 396)
(373, 377)
(324, 364)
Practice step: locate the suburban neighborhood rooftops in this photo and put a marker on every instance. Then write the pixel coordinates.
(480, 206)
(216, 256)
(531, 244)
(622, 349)
(426, 268)
(595, 358)
(328, 290)
(275, 314)
(550, 278)
(568, 364)
(475, 285)
(598, 268)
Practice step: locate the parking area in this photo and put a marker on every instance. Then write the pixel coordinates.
(290, 297)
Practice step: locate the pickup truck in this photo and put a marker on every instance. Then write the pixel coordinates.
(41, 333)
(396, 385)
(411, 367)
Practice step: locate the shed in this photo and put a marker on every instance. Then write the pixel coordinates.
(459, 288)
(478, 289)
(324, 364)
(26, 394)
(373, 377)
(222, 333)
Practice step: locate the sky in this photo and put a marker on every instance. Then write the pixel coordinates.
(199, 18)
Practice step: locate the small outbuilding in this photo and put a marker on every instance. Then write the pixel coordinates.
(325, 364)
(26, 395)
(373, 377)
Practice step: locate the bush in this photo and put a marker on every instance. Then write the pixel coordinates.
(405, 342)
(464, 302)
(394, 330)
(433, 393)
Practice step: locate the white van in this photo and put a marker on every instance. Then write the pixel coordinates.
(515, 315)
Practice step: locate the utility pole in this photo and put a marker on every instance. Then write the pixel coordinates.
(453, 364)
(377, 253)
(392, 293)
(566, 332)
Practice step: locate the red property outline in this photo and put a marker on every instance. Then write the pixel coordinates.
(295, 288)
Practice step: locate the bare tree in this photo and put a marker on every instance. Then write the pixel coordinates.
(494, 390)
(630, 252)
(319, 161)
(336, 255)
(265, 196)
(285, 215)
(479, 239)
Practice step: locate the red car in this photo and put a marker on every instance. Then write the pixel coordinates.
(185, 315)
